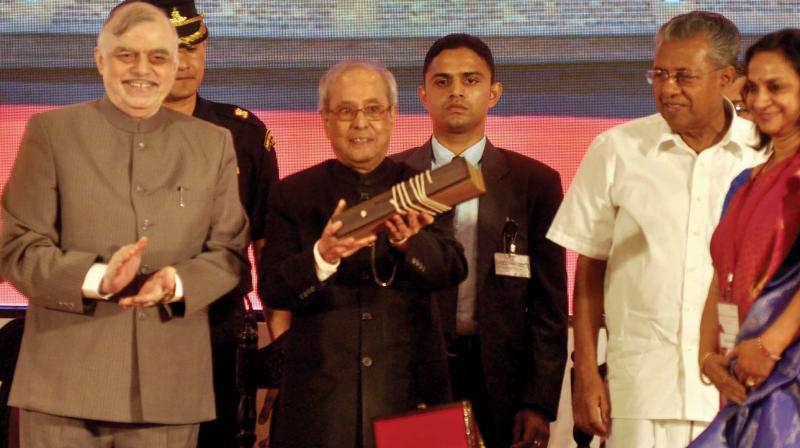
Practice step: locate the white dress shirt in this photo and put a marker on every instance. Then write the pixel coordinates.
(647, 203)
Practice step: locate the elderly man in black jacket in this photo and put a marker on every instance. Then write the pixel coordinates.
(365, 340)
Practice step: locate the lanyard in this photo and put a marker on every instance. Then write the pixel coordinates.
(510, 230)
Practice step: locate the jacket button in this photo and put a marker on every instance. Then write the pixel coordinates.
(141, 145)
(366, 361)
(364, 275)
(139, 189)
(366, 315)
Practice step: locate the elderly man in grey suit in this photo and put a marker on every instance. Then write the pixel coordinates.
(121, 224)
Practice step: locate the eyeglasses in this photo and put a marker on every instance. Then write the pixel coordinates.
(682, 78)
(740, 107)
(372, 112)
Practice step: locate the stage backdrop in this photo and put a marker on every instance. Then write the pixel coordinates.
(571, 68)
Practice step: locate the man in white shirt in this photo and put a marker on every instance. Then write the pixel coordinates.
(640, 213)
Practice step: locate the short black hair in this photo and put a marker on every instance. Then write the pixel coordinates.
(455, 41)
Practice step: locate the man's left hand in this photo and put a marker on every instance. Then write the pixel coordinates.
(154, 290)
(403, 227)
(531, 430)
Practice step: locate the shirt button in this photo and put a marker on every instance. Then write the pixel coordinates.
(366, 361)
(364, 275)
(141, 145)
(366, 316)
(139, 189)
(141, 315)
(146, 224)
(145, 269)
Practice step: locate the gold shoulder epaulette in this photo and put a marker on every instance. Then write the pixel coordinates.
(239, 112)
(269, 141)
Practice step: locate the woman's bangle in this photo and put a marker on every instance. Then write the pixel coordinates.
(765, 351)
(703, 378)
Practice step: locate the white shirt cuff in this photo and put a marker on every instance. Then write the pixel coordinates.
(178, 289)
(91, 284)
(92, 281)
(322, 267)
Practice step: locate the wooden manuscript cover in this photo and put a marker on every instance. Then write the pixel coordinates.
(449, 185)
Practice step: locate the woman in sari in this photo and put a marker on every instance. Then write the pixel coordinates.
(755, 291)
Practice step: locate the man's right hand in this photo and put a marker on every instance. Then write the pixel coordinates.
(333, 249)
(591, 409)
(122, 267)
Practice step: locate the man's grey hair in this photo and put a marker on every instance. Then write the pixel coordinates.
(338, 69)
(722, 35)
(125, 16)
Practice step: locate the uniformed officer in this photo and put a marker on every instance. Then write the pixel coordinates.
(258, 170)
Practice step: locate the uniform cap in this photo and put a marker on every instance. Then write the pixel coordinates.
(184, 17)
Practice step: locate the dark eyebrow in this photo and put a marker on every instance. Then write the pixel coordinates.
(450, 75)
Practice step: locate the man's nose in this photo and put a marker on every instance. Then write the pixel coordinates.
(182, 63)
(360, 121)
(141, 66)
(457, 89)
(670, 86)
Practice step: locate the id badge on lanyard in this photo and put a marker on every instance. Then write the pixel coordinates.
(728, 316)
(510, 263)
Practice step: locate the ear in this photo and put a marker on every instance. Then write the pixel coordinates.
(421, 93)
(98, 60)
(324, 117)
(727, 76)
(495, 92)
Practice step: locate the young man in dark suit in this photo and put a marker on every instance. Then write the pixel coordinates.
(506, 325)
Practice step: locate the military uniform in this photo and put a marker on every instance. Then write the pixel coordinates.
(258, 170)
